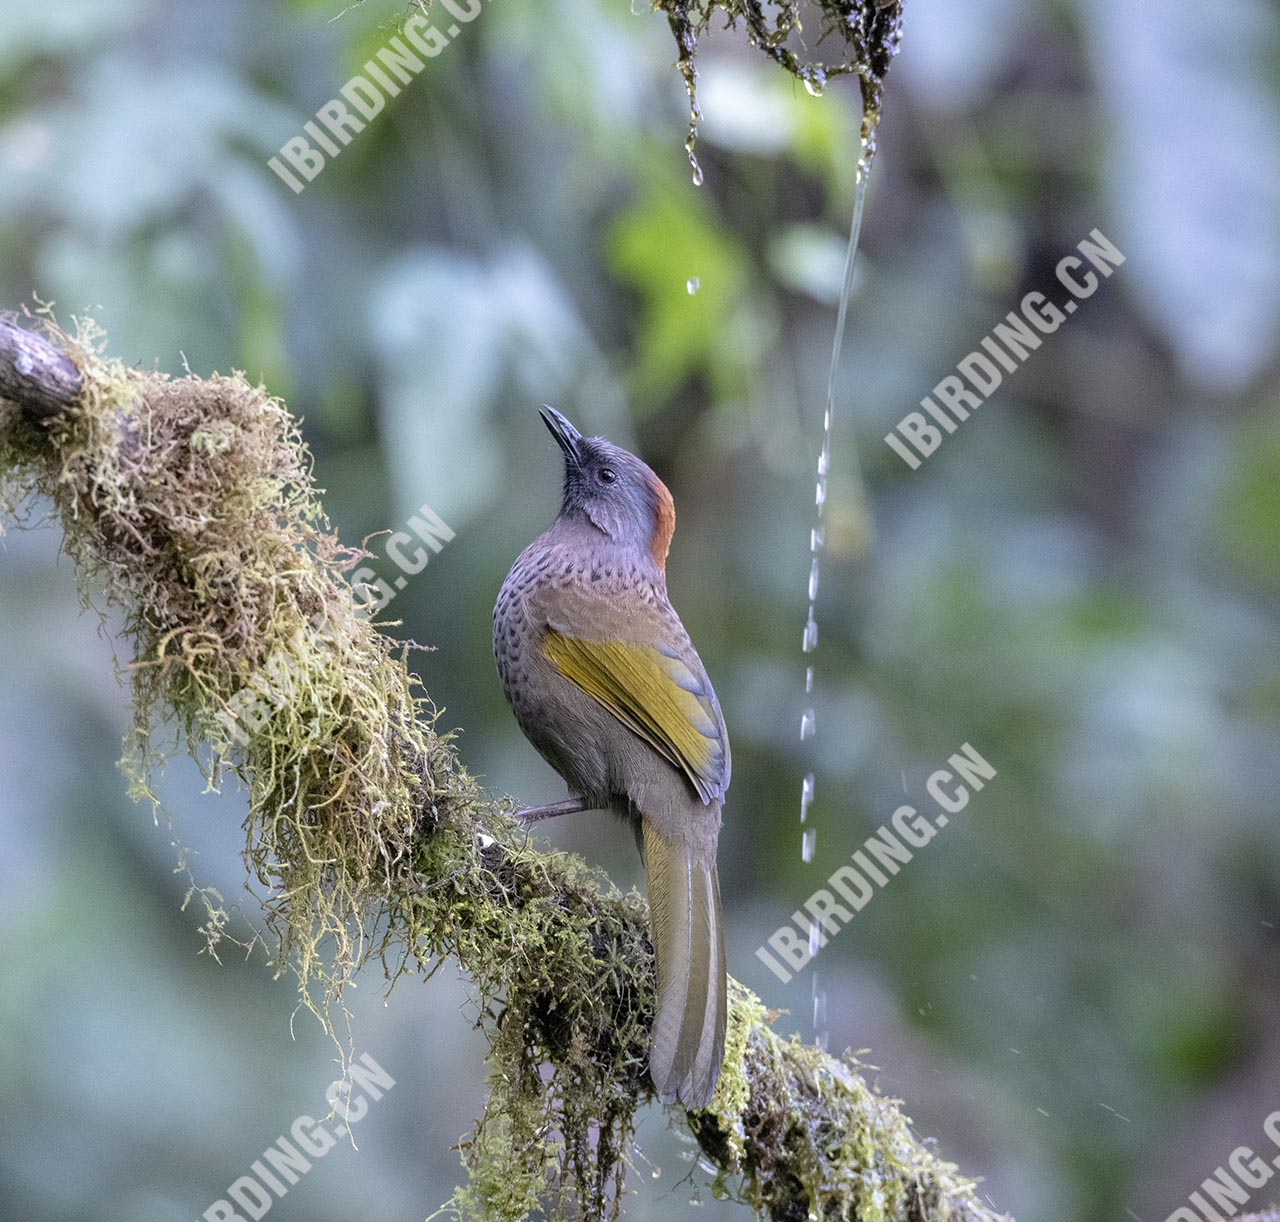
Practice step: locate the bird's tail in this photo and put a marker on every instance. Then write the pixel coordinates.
(688, 944)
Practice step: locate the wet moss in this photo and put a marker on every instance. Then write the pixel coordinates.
(864, 35)
(809, 1139)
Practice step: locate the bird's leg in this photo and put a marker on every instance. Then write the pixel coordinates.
(533, 814)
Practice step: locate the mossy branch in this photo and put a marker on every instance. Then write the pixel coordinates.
(190, 503)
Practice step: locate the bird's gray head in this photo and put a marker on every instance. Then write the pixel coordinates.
(613, 490)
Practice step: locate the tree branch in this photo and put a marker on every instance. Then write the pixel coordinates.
(190, 502)
(34, 374)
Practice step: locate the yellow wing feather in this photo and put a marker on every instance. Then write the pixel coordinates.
(653, 694)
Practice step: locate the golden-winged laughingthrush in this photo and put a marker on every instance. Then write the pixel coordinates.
(606, 684)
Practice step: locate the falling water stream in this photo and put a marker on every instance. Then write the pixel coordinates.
(817, 540)
(814, 82)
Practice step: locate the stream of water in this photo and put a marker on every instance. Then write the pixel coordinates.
(817, 540)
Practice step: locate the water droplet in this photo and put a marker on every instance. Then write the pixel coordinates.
(819, 1006)
(810, 633)
(815, 937)
(816, 82)
(808, 678)
(806, 797)
(824, 461)
(693, 284)
(697, 169)
(807, 840)
(820, 498)
(817, 537)
(808, 725)
(656, 1173)
(813, 579)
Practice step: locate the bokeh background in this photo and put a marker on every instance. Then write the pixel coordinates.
(1075, 988)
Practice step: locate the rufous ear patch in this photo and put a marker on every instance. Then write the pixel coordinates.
(664, 522)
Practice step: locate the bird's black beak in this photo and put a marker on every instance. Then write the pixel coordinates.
(567, 437)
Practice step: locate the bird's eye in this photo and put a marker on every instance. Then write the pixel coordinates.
(606, 475)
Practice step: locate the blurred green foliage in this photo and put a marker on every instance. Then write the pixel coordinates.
(1075, 987)
(649, 248)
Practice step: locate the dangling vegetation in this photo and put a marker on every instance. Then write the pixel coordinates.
(864, 34)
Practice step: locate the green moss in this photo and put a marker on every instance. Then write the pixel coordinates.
(812, 1140)
(808, 1139)
(562, 965)
(732, 1095)
(191, 503)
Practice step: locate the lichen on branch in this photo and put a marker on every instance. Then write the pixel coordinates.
(191, 504)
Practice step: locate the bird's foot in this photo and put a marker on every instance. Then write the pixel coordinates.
(535, 814)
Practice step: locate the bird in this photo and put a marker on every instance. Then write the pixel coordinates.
(607, 686)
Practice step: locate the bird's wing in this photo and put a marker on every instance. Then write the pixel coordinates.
(655, 692)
